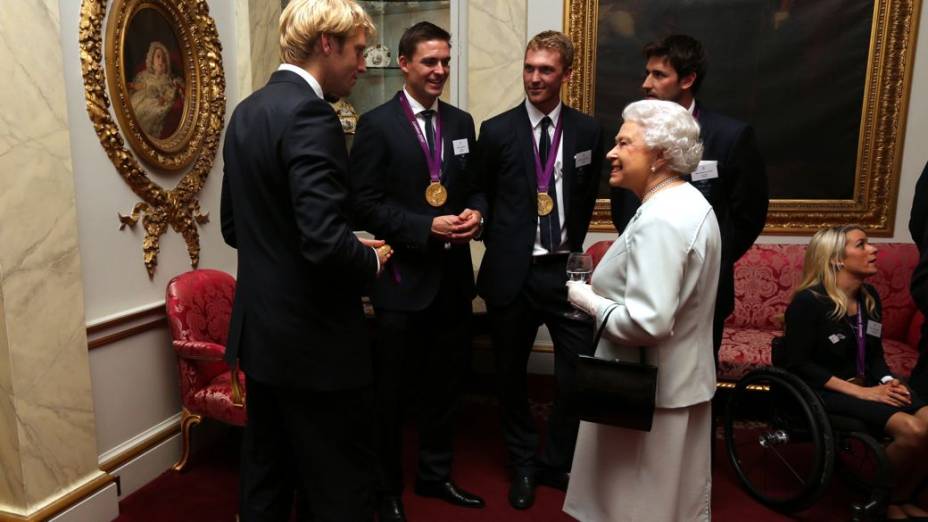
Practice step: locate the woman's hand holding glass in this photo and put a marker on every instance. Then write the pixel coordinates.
(579, 271)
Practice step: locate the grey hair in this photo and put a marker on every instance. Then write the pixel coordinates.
(669, 128)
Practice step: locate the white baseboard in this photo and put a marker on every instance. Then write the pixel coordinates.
(151, 433)
(102, 505)
(148, 466)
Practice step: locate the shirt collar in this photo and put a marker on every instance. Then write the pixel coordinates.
(317, 88)
(416, 106)
(535, 115)
(692, 106)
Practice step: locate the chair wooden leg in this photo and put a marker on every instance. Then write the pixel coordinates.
(187, 421)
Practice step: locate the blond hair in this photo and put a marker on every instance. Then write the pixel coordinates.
(824, 257)
(554, 41)
(303, 21)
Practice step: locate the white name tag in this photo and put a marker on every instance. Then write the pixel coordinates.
(874, 328)
(460, 146)
(708, 169)
(582, 159)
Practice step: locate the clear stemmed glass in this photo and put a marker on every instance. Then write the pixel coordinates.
(579, 268)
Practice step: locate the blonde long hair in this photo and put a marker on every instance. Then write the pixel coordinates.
(824, 259)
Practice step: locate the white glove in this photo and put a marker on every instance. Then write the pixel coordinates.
(581, 295)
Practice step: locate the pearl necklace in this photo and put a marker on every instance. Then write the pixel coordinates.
(657, 187)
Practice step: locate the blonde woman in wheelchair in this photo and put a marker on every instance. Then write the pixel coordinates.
(834, 343)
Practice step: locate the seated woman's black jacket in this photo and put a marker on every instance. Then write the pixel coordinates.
(818, 347)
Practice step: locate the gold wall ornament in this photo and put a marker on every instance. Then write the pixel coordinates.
(199, 123)
(882, 123)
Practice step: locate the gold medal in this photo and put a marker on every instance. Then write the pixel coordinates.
(436, 194)
(545, 204)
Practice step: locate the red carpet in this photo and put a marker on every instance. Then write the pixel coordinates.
(208, 491)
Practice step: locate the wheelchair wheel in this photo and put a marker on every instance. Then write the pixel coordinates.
(778, 439)
(864, 465)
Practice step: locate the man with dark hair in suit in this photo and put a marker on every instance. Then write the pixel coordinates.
(541, 166)
(297, 327)
(918, 227)
(413, 185)
(732, 175)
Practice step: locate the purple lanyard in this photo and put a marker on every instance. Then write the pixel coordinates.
(543, 175)
(861, 343)
(433, 160)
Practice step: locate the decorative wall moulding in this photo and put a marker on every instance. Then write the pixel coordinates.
(825, 84)
(163, 71)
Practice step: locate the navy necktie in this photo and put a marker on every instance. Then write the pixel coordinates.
(429, 129)
(550, 225)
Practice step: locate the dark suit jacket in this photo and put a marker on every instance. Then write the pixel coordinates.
(738, 196)
(297, 320)
(819, 347)
(918, 219)
(389, 176)
(508, 175)
(918, 227)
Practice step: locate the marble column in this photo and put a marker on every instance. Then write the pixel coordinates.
(47, 435)
(265, 40)
(495, 47)
(242, 50)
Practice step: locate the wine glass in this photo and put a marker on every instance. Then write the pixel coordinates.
(579, 268)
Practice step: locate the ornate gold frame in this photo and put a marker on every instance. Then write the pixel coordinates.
(177, 207)
(882, 124)
(180, 149)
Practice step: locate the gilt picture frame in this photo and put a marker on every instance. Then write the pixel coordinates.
(154, 74)
(864, 185)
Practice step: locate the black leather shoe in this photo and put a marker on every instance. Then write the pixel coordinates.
(391, 510)
(553, 479)
(522, 491)
(448, 492)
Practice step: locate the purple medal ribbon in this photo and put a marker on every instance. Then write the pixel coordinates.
(543, 175)
(433, 160)
(861, 345)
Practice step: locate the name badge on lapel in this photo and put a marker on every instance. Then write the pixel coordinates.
(707, 169)
(460, 146)
(874, 328)
(582, 159)
(835, 338)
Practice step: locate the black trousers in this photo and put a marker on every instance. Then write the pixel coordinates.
(420, 359)
(313, 444)
(542, 300)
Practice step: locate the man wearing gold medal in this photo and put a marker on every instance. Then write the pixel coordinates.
(413, 184)
(541, 163)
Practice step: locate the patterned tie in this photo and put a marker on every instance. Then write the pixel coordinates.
(429, 130)
(550, 225)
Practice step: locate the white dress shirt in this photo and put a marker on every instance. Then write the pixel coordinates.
(417, 109)
(310, 79)
(535, 116)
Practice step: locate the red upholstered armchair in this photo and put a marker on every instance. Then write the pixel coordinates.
(199, 304)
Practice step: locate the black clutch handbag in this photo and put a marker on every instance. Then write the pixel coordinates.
(613, 392)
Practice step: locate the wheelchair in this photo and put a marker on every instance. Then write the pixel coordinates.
(785, 448)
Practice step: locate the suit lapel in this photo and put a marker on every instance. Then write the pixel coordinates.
(447, 151)
(569, 139)
(409, 140)
(524, 142)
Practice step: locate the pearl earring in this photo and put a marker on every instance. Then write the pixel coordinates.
(653, 169)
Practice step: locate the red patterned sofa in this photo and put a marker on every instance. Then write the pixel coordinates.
(764, 280)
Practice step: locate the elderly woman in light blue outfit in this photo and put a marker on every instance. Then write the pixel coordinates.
(660, 278)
